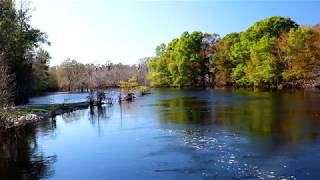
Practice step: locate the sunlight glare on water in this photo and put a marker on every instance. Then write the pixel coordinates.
(175, 134)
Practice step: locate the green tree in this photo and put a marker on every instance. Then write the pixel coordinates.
(223, 61)
(184, 61)
(40, 68)
(18, 40)
(262, 67)
(253, 56)
(159, 73)
(301, 54)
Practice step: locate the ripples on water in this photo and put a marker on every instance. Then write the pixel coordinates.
(216, 147)
(174, 134)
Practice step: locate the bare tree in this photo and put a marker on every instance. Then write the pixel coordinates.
(143, 70)
(70, 72)
(72, 75)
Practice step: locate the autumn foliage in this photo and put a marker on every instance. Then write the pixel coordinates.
(275, 52)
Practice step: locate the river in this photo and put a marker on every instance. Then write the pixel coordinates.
(174, 134)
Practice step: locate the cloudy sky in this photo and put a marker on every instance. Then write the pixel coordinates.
(93, 31)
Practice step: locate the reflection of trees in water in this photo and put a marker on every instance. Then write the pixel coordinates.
(20, 157)
(98, 114)
(185, 110)
(288, 114)
(73, 116)
(47, 127)
(129, 107)
(285, 117)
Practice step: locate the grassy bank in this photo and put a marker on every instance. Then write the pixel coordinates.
(14, 119)
(51, 109)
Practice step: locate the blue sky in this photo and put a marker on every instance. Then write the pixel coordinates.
(93, 31)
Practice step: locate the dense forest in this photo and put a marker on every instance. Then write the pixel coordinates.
(275, 53)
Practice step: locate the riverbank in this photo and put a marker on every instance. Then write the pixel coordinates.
(19, 117)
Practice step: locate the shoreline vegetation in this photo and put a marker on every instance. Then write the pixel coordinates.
(15, 118)
(20, 117)
(273, 53)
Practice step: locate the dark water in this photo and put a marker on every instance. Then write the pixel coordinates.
(175, 134)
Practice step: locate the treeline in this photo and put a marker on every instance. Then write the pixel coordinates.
(185, 61)
(274, 53)
(74, 76)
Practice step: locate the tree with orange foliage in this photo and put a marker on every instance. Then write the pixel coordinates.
(300, 54)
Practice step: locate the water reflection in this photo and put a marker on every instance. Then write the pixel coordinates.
(174, 134)
(285, 117)
(185, 110)
(72, 117)
(97, 113)
(22, 158)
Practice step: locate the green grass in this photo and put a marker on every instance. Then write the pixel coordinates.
(51, 108)
(31, 111)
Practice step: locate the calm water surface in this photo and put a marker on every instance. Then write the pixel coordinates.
(66, 97)
(175, 134)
